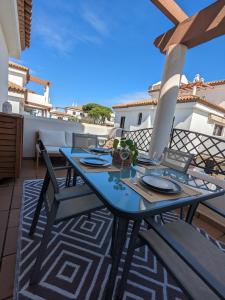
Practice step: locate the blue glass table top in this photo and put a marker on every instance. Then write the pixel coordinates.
(118, 196)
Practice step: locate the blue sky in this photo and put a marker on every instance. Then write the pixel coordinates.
(102, 51)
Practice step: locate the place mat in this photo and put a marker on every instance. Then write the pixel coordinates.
(110, 168)
(153, 196)
(149, 167)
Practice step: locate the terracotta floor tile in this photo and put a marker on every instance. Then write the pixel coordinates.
(215, 233)
(3, 219)
(11, 241)
(14, 218)
(40, 173)
(3, 228)
(222, 238)
(5, 203)
(16, 201)
(2, 238)
(7, 276)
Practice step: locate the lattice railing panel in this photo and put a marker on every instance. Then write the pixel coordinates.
(209, 151)
(142, 137)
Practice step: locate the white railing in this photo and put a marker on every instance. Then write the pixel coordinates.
(37, 99)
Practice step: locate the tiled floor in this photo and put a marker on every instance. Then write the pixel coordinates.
(10, 200)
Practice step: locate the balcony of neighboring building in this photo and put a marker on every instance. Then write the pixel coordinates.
(37, 100)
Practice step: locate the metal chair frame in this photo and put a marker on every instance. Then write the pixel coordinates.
(177, 156)
(51, 211)
(187, 257)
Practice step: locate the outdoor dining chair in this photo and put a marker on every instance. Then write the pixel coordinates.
(60, 204)
(195, 262)
(179, 161)
(84, 140)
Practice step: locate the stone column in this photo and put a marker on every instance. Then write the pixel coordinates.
(47, 93)
(165, 110)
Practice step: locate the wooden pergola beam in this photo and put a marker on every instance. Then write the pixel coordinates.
(202, 27)
(39, 80)
(171, 9)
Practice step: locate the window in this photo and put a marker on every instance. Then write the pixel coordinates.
(122, 122)
(218, 129)
(139, 118)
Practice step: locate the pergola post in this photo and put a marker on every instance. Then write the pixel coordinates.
(165, 110)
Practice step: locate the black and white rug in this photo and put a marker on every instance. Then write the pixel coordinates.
(78, 262)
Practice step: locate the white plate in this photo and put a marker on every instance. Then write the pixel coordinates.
(160, 183)
(95, 161)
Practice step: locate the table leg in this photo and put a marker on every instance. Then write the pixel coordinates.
(191, 212)
(114, 230)
(129, 256)
(120, 238)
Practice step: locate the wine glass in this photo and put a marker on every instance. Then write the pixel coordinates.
(101, 142)
(158, 158)
(124, 154)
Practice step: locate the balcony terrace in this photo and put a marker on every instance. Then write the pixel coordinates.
(11, 193)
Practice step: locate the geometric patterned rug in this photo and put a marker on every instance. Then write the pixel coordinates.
(78, 262)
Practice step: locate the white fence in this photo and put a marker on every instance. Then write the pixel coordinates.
(33, 124)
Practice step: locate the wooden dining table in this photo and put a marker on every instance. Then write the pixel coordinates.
(115, 187)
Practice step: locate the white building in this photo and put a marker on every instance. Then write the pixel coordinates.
(15, 27)
(200, 107)
(75, 110)
(24, 100)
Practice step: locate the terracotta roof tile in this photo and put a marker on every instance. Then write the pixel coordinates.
(216, 82)
(74, 107)
(180, 99)
(18, 67)
(12, 87)
(192, 84)
(59, 113)
(24, 8)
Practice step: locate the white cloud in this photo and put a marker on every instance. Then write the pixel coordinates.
(129, 97)
(61, 35)
(95, 21)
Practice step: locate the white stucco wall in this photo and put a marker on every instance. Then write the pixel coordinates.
(182, 116)
(17, 76)
(38, 99)
(188, 116)
(33, 124)
(131, 115)
(214, 94)
(3, 69)
(200, 119)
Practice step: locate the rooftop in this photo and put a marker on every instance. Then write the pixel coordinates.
(13, 87)
(25, 18)
(180, 99)
(18, 66)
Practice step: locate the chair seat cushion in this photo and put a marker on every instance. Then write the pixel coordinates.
(203, 250)
(216, 204)
(56, 138)
(52, 149)
(77, 205)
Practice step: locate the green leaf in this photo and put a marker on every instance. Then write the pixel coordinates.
(115, 143)
(123, 144)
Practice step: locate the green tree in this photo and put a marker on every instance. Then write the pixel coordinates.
(98, 113)
(95, 114)
(88, 107)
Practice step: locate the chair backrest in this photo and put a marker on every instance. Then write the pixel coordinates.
(84, 140)
(50, 185)
(177, 160)
(41, 146)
